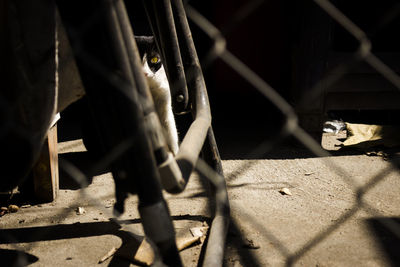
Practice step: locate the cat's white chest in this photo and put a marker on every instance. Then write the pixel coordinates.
(159, 88)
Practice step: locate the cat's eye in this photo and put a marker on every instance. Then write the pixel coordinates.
(155, 60)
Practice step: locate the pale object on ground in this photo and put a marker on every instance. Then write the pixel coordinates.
(80, 211)
(13, 208)
(108, 255)
(364, 135)
(285, 191)
(143, 253)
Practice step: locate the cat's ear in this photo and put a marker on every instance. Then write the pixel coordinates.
(144, 44)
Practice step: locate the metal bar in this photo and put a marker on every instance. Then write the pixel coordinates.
(118, 113)
(110, 96)
(219, 226)
(150, 13)
(147, 182)
(161, 20)
(161, 231)
(194, 139)
(215, 247)
(154, 126)
(133, 58)
(188, 51)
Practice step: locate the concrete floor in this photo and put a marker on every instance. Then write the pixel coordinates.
(319, 224)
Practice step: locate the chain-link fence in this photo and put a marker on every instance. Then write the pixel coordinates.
(325, 53)
(315, 33)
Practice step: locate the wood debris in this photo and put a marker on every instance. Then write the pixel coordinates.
(285, 191)
(185, 242)
(142, 253)
(108, 255)
(80, 211)
(139, 252)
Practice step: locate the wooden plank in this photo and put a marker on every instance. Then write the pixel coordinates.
(45, 172)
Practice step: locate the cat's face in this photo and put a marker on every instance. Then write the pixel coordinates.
(151, 60)
(159, 89)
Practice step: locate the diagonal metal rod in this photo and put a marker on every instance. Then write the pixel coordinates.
(160, 16)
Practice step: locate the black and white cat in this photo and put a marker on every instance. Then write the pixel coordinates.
(159, 88)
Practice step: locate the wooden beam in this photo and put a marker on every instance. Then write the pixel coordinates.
(45, 172)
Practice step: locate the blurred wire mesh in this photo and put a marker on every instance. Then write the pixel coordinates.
(328, 15)
(306, 108)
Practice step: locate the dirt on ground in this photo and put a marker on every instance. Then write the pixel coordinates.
(298, 209)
